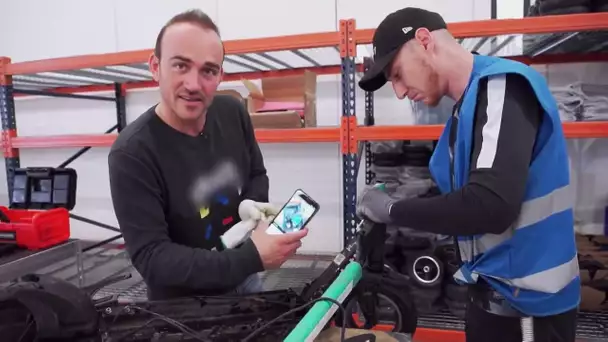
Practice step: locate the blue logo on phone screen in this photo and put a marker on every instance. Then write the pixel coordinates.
(292, 219)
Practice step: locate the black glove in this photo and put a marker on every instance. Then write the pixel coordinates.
(374, 204)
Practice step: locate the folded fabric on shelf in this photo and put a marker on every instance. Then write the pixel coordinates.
(570, 102)
(582, 101)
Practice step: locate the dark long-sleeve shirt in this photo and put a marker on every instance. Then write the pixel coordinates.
(507, 118)
(153, 168)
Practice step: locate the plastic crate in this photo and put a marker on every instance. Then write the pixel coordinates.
(35, 229)
(44, 188)
(38, 216)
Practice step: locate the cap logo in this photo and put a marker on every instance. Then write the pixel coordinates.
(406, 30)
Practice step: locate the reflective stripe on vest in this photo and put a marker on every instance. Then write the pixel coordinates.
(560, 277)
(532, 211)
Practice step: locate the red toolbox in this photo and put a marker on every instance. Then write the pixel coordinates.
(38, 216)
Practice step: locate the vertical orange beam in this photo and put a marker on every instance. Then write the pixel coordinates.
(352, 52)
(344, 120)
(348, 124)
(4, 61)
(7, 134)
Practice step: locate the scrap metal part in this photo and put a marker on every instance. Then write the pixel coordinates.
(43, 308)
(46, 308)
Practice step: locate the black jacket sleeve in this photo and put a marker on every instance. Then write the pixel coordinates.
(138, 204)
(507, 118)
(258, 183)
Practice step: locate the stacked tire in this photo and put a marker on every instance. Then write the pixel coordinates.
(403, 168)
(533, 43)
(561, 7)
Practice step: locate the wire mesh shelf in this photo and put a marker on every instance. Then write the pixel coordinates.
(234, 64)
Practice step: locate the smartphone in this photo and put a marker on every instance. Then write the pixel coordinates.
(295, 214)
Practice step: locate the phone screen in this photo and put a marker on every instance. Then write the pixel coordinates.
(294, 215)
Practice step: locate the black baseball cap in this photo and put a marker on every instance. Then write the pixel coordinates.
(394, 31)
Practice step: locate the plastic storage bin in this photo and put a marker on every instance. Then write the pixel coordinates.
(38, 216)
(35, 229)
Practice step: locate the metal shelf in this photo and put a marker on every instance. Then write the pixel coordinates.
(236, 66)
(330, 134)
(530, 25)
(549, 39)
(299, 135)
(250, 58)
(572, 130)
(320, 52)
(580, 43)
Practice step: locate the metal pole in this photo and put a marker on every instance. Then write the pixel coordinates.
(349, 157)
(93, 222)
(121, 106)
(369, 121)
(9, 126)
(101, 243)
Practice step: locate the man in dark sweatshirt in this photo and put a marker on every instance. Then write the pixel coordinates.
(158, 159)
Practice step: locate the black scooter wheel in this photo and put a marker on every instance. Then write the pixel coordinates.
(395, 308)
(425, 270)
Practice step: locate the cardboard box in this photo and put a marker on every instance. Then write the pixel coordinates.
(280, 119)
(283, 99)
(282, 102)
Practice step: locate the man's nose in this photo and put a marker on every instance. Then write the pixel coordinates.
(400, 90)
(192, 81)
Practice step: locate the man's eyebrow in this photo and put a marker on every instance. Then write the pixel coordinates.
(182, 58)
(206, 64)
(212, 65)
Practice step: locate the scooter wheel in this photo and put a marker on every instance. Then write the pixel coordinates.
(395, 308)
(425, 270)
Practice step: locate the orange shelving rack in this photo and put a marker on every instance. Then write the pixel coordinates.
(340, 52)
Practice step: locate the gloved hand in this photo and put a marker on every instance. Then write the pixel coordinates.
(251, 210)
(238, 233)
(374, 204)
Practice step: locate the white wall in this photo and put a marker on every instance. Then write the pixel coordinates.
(47, 29)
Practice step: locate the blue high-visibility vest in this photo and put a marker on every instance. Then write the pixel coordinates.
(533, 264)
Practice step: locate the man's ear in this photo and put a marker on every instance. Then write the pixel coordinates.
(423, 36)
(154, 65)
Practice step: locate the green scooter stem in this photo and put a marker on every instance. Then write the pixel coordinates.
(380, 186)
(322, 311)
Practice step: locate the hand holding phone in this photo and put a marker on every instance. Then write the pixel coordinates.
(276, 249)
(294, 215)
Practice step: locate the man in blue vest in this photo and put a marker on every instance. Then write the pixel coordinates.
(502, 167)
